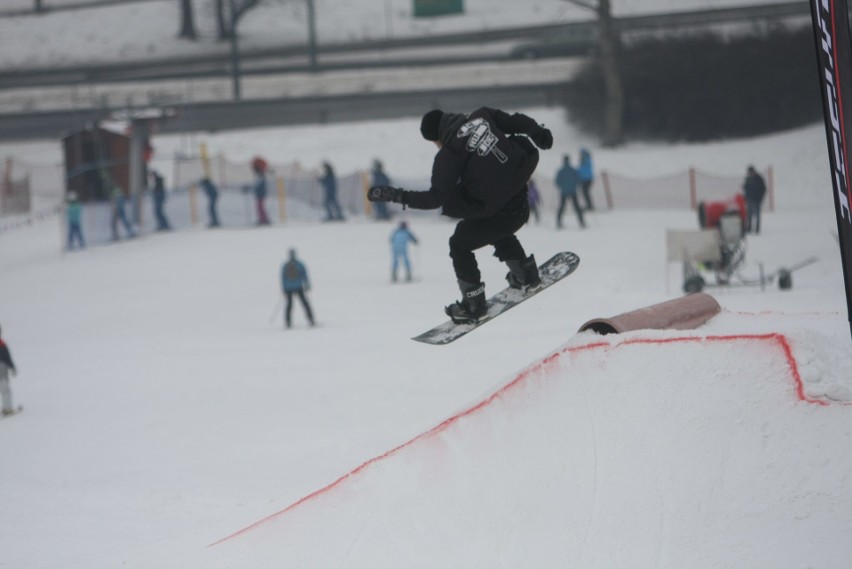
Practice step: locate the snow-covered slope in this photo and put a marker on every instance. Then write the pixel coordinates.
(165, 412)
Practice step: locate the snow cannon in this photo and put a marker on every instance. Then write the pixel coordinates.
(684, 313)
(709, 213)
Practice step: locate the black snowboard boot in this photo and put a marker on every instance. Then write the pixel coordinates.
(471, 307)
(523, 274)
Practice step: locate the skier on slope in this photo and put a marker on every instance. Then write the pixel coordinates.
(7, 368)
(400, 238)
(480, 176)
(294, 281)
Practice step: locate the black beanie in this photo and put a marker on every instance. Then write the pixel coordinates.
(430, 123)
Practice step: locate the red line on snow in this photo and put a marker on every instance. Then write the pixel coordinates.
(778, 339)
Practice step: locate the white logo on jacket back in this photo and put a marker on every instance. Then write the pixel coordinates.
(482, 140)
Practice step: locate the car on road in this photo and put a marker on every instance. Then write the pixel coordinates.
(571, 40)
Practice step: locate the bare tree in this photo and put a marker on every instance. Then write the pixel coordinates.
(229, 13)
(187, 21)
(608, 45)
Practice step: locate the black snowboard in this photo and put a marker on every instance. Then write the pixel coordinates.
(552, 271)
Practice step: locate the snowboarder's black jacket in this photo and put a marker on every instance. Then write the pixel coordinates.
(479, 168)
(5, 356)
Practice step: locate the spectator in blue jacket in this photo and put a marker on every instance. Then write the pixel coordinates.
(567, 180)
(74, 214)
(400, 239)
(587, 176)
(294, 281)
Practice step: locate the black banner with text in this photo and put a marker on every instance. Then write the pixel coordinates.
(834, 56)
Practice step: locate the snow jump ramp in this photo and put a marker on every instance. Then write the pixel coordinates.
(664, 450)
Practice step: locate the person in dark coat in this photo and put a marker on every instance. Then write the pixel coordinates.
(158, 193)
(479, 176)
(329, 186)
(212, 194)
(754, 189)
(567, 179)
(379, 178)
(294, 281)
(7, 368)
(534, 199)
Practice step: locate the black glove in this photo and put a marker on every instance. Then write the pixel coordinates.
(385, 194)
(543, 138)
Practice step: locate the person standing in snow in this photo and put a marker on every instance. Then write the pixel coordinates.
(754, 189)
(73, 215)
(212, 194)
(400, 239)
(258, 166)
(294, 281)
(567, 180)
(7, 368)
(329, 186)
(158, 193)
(379, 178)
(118, 213)
(534, 199)
(479, 176)
(586, 173)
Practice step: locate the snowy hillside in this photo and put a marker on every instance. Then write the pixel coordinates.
(170, 421)
(166, 408)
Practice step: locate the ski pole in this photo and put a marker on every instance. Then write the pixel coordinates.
(277, 311)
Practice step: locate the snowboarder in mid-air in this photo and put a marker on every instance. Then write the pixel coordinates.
(479, 176)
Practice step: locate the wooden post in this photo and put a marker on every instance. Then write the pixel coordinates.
(193, 203)
(770, 182)
(607, 192)
(365, 184)
(205, 159)
(282, 199)
(223, 169)
(7, 173)
(693, 190)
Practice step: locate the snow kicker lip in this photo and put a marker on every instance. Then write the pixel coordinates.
(684, 313)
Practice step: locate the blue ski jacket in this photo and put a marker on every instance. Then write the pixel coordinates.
(294, 276)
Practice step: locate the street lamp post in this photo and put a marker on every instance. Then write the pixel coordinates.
(235, 53)
(312, 34)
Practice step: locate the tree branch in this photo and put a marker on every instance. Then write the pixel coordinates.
(585, 4)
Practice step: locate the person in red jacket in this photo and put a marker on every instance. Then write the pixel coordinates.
(7, 368)
(479, 176)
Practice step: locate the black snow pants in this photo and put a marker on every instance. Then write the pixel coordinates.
(497, 230)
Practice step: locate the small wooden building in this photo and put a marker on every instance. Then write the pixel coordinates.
(94, 158)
